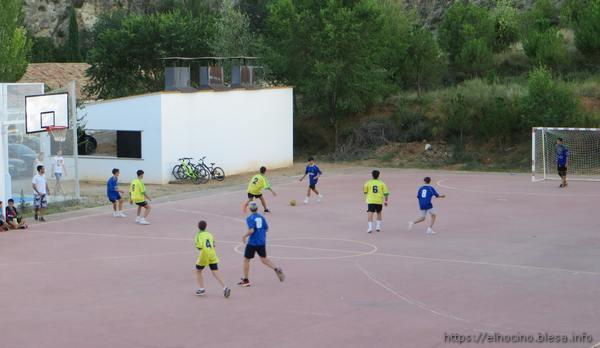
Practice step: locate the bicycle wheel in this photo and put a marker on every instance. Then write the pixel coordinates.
(218, 174)
(201, 176)
(179, 172)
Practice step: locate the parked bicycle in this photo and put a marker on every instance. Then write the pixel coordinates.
(187, 170)
(216, 173)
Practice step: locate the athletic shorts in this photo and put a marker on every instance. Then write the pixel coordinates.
(115, 198)
(40, 201)
(313, 185)
(562, 170)
(374, 208)
(142, 204)
(252, 249)
(431, 211)
(212, 266)
(252, 196)
(58, 176)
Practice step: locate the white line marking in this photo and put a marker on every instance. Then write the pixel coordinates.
(440, 184)
(97, 258)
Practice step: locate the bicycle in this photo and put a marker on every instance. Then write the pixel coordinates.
(187, 170)
(216, 173)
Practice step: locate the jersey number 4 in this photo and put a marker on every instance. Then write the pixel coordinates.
(208, 244)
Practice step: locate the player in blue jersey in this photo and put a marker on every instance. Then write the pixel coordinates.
(424, 195)
(562, 161)
(256, 241)
(114, 193)
(313, 173)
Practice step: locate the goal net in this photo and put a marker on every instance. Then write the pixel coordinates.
(584, 153)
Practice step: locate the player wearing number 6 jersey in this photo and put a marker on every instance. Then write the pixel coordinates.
(205, 242)
(256, 241)
(424, 195)
(377, 196)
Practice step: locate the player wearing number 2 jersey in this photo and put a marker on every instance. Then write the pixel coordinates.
(205, 242)
(256, 241)
(255, 187)
(377, 196)
(424, 195)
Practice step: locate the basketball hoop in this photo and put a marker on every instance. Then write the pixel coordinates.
(59, 134)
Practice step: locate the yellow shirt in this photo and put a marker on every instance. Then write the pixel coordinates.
(206, 243)
(137, 191)
(257, 184)
(375, 190)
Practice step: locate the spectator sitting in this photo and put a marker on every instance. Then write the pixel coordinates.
(13, 218)
(3, 224)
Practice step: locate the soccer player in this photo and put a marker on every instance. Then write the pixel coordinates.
(256, 240)
(40, 191)
(313, 173)
(13, 218)
(377, 196)
(255, 187)
(562, 161)
(58, 170)
(137, 195)
(114, 193)
(424, 195)
(205, 242)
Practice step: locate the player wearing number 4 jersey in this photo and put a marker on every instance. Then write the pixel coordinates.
(424, 195)
(208, 257)
(377, 196)
(256, 240)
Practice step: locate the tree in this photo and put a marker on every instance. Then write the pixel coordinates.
(467, 35)
(14, 45)
(425, 62)
(506, 25)
(331, 52)
(125, 59)
(586, 25)
(542, 40)
(72, 48)
(256, 10)
(232, 35)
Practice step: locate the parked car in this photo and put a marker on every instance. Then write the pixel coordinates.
(17, 168)
(86, 144)
(23, 153)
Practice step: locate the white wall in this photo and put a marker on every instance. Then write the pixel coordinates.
(238, 129)
(141, 113)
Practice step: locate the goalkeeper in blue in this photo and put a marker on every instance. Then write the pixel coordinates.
(424, 195)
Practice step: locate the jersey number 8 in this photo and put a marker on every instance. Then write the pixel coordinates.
(424, 193)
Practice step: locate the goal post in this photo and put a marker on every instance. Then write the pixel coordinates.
(584, 153)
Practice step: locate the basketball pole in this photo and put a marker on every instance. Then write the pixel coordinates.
(73, 107)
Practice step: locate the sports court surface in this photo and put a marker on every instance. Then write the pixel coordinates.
(509, 257)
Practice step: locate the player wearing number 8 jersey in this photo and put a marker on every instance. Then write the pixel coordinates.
(256, 241)
(377, 196)
(424, 195)
(205, 242)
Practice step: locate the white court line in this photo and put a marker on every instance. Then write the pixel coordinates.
(356, 253)
(440, 184)
(97, 258)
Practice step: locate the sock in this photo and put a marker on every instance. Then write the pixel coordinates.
(378, 224)
(370, 225)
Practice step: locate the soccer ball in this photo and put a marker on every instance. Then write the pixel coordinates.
(293, 202)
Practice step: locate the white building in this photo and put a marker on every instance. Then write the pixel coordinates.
(238, 129)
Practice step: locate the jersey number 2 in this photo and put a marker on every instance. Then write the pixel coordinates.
(255, 181)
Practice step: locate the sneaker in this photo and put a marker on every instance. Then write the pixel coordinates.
(137, 219)
(267, 211)
(378, 230)
(561, 185)
(280, 274)
(369, 231)
(410, 225)
(305, 200)
(429, 231)
(319, 198)
(41, 218)
(244, 283)
(226, 292)
(115, 214)
(143, 222)
(121, 214)
(200, 292)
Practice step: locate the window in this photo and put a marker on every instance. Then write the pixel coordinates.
(110, 143)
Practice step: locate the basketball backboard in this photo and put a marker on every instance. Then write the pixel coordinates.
(47, 110)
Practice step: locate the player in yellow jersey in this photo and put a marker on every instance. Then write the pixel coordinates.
(255, 187)
(377, 196)
(208, 257)
(138, 195)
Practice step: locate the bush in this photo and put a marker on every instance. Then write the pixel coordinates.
(506, 25)
(411, 125)
(548, 102)
(586, 26)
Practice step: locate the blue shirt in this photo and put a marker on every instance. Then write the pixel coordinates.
(258, 223)
(562, 153)
(313, 171)
(111, 188)
(425, 194)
